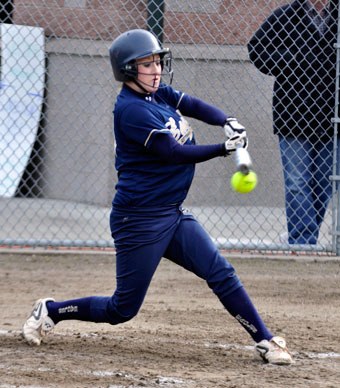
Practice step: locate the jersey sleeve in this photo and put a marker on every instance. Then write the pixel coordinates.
(194, 107)
(170, 95)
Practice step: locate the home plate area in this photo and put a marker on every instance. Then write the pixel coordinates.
(182, 336)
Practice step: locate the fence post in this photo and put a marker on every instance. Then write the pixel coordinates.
(336, 177)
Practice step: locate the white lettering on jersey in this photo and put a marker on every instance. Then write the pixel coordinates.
(181, 134)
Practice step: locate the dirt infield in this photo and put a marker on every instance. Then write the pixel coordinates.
(182, 337)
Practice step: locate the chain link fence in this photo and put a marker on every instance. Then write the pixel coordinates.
(57, 92)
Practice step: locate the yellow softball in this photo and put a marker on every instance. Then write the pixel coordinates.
(242, 183)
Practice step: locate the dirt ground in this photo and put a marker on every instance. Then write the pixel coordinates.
(182, 336)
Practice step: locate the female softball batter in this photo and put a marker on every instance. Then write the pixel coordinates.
(155, 161)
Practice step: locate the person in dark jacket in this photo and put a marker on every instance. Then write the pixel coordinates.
(295, 44)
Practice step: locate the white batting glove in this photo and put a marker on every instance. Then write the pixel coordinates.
(238, 140)
(236, 134)
(232, 128)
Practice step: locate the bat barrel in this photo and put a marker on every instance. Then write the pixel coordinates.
(242, 160)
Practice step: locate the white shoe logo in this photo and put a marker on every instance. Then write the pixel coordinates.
(37, 312)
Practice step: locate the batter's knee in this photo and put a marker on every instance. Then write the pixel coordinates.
(116, 318)
(223, 279)
(117, 314)
(225, 286)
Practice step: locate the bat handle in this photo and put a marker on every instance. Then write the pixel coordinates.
(243, 160)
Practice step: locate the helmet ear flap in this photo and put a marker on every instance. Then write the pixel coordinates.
(130, 70)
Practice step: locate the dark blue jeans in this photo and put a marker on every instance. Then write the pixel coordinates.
(307, 167)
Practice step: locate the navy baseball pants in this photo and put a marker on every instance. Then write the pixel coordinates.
(142, 238)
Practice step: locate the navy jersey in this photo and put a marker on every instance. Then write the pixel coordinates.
(144, 178)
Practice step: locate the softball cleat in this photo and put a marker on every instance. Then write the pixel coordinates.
(38, 324)
(274, 351)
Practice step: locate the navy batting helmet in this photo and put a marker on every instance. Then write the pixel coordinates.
(134, 44)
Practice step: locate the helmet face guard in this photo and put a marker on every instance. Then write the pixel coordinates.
(131, 69)
(133, 45)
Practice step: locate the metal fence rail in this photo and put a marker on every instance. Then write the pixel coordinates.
(57, 172)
